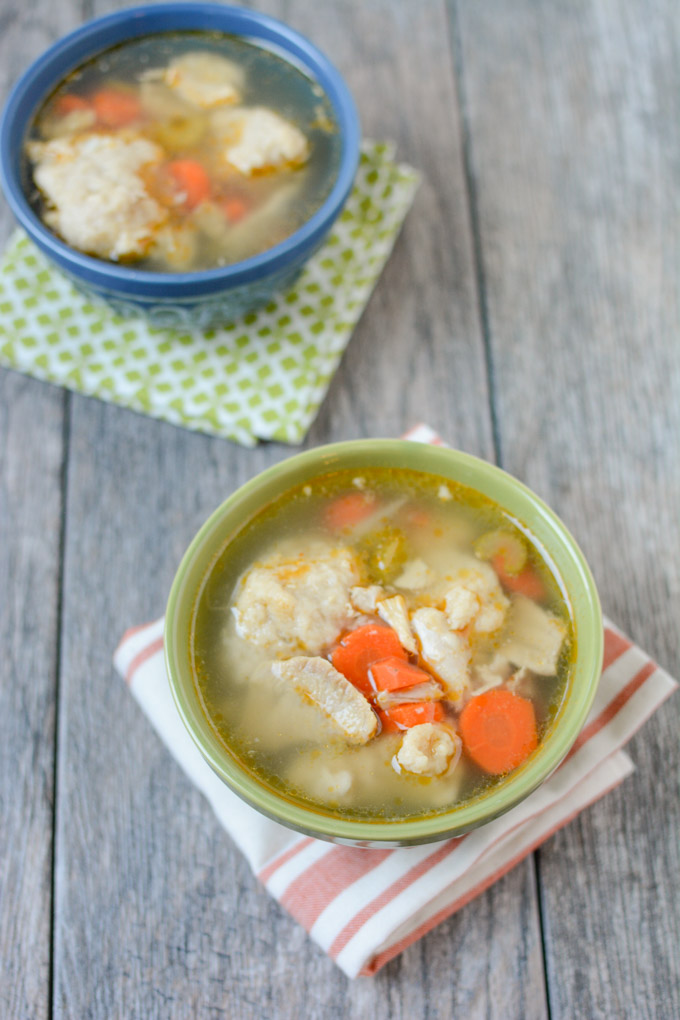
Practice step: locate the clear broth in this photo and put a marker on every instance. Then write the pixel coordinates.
(271, 82)
(287, 743)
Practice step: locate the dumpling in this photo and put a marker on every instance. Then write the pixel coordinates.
(255, 139)
(205, 79)
(289, 604)
(97, 199)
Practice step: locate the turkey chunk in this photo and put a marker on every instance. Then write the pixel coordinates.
(366, 599)
(535, 637)
(321, 783)
(428, 749)
(70, 124)
(175, 244)
(393, 611)
(491, 674)
(256, 139)
(205, 79)
(483, 583)
(445, 652)
(97, 200)
(297, 602)
(462, 606)
(317, 680)
(415, 575)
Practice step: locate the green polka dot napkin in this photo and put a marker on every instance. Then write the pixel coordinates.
(260, 377)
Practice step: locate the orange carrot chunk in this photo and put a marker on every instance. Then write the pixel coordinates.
(191, 178)
(387, 725)
(359, 649)
(69, 103)
(349, 510)
(527, 582)
(393, 674)
(498, 730)
(415, 713)
(417, 517)
(235, 208)
(115, 107)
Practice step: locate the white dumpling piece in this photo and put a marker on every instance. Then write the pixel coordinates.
(462, 606)
(205, 79)
(291, 603)
(256, 139)
(428, 749)
(97, 199)
(325, 783)
(415, 576)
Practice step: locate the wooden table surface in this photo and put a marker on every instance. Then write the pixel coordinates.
(530, 312)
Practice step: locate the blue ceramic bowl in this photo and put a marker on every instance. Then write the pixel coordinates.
(199, 299)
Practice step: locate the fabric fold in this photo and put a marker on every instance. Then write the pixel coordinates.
(262, 376)
(363, 907)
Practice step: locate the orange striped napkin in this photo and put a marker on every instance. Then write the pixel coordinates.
(363, 907)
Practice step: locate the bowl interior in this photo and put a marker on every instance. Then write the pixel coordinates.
(547, 531)
(96, 36)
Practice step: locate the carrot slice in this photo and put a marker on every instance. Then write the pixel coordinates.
(359, 649)
(498, 730)
(191, 177)
(416, 516)
(387, 725)
(527, 582)
(349, 510)
(115, 107)
(509, 549)
(393, 673)
(406, 716)
(69, 103)
(235, 208)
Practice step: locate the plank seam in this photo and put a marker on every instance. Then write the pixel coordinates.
(63, 482)
(483, 310)
(541, 928)
(473, 209)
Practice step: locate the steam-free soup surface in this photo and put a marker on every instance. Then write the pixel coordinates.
(381, 644)
(182, 151)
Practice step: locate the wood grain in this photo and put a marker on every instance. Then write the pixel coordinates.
(572, 114)
(32, 459)
(531, 309)
(144, 874)
(31, 455)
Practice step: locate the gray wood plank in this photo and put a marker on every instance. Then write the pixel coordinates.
(31, 452)
(572, 112)
(31, 460)
(148, 890)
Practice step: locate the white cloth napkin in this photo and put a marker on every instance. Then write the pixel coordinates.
(363, 907)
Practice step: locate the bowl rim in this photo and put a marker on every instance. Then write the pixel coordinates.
(581, 595)
(98, 35)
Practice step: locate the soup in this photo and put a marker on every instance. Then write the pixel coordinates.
(182, 151)
(381, 645)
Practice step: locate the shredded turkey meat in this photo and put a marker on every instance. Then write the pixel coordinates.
(317, 680)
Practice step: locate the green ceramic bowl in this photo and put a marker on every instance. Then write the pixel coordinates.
(557, 546)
